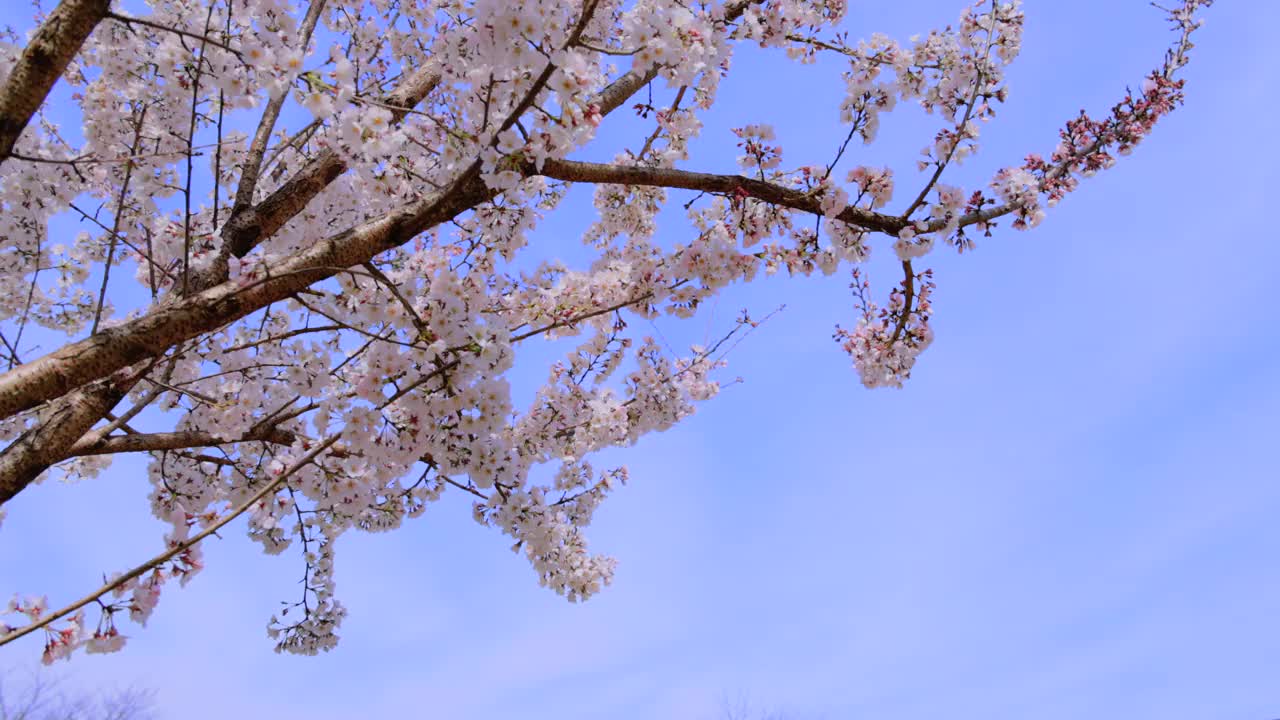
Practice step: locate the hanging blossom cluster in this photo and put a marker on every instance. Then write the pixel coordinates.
(886, 342)
(304, 274)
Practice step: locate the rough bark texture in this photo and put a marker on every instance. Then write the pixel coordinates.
(43, 60)
(51, 440)
(182, 440)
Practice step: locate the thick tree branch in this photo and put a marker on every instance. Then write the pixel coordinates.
(251, 225)
(181, 440)
(149, 336)
(25, 459)
(42, 61)
(52, 438)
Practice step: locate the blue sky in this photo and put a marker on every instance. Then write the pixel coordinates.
(1069, 512)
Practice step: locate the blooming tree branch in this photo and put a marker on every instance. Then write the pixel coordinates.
(309, 325)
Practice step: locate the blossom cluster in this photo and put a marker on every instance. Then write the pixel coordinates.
(886, 342)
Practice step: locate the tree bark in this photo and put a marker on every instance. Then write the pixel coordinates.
(43, 60)
(51, 439)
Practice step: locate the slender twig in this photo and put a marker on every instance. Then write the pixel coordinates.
(114, 233)
(204, 39)
(978, 82)
(191, 137)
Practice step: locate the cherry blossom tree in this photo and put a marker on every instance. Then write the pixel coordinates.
(306, 277)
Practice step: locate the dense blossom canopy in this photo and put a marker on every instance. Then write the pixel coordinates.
(306, 271)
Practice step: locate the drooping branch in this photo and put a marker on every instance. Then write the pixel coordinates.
(174, 549)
